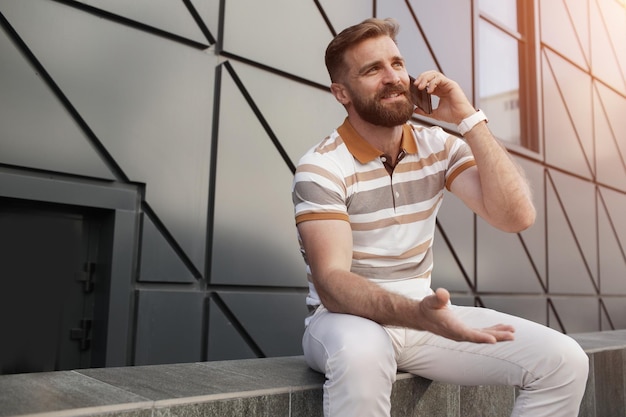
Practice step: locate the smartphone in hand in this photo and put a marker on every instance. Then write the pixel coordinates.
(420, 97)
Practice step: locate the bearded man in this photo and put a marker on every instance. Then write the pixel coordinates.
(366, 200)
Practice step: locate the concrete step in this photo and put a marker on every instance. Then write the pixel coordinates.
(284, 386)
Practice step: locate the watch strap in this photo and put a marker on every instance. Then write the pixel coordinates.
(469, 122)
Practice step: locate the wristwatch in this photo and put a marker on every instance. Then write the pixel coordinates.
(469, 122)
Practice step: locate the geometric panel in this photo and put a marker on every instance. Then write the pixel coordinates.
(610, 136)
(615, 205)
(456, 222)
(605, 319)
(55, 142)
(568, 272)
(254, 237)
(575, 87)
(534, 238)
(224, 341)
(274, 320)
(312, 117)
(578, 201)
(614, 106)
(159, 262)
(554, 321)
(463, 300)
(209, 12)
(303, 30)
(169, 327)
(167, 15)
(342, 14)
(452, 61)
(611, 168)
(411, 43)
(612, 258)
(616, 308)
(568, 152)
(502, 263)
(567, 37)
(614, 24)
(579, 15)
(614, 20)
(454, 255)
(532, 308)
(578, 314)
(446, 271)
(604, 62)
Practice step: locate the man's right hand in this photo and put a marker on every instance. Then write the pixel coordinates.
(437, 318)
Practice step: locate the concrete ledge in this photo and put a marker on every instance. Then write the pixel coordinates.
(280, 387)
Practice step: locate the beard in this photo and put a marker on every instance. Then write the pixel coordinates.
(388, 114)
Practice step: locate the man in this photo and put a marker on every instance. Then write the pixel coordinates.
(365, 203)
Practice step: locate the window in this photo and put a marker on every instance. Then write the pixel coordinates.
(506, 70)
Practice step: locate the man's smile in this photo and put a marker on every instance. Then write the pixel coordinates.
(392, 94)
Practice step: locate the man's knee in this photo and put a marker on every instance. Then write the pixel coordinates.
(363, 372)
(364, 350)
(577, 361)
(570, 363)
(354, 348)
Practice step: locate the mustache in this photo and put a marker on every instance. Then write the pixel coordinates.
(395, 89)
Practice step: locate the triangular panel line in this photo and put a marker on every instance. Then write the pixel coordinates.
(569, 114)
(576, 241)
(65, 101)
(221, 304)
(259, 115)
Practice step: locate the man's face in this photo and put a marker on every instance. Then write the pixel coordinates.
(377, 82)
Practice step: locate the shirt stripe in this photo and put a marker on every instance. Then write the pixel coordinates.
(393, 217)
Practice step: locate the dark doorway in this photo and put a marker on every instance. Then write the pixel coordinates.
(53, 284)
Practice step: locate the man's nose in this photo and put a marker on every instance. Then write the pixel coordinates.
(391, 76)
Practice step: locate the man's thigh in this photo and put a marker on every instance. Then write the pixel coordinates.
(534, 350)
(344, 338)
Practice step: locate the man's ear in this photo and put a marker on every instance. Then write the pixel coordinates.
(340, 93)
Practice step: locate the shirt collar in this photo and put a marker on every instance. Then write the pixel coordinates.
(363, 151)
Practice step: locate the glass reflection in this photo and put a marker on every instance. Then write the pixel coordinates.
(505, 11)
(499, 82)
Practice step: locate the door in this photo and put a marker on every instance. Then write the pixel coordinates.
(48, 266)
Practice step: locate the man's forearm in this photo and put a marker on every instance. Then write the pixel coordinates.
(505, 191)
(352, 294)
(349, 293)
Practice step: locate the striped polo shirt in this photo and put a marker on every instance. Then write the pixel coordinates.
(392, 216)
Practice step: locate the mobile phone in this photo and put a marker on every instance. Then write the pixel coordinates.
(420, 98)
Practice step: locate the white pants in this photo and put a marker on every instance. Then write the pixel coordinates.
(360, 359)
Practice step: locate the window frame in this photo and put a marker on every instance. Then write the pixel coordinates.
(526, 39)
